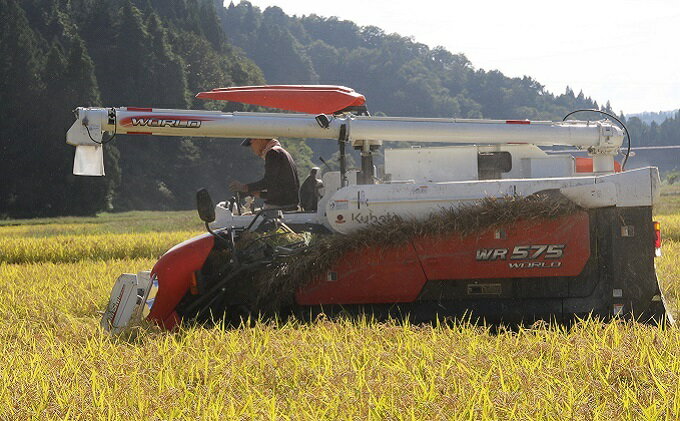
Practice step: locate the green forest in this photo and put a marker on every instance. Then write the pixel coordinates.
(61, 54)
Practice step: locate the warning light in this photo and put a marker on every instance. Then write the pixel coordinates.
(193, 284)
(657, 239)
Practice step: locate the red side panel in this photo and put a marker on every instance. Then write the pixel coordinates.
(310, 99)
(585, 164)
(371, 276)
(174, 270)
(528, 249)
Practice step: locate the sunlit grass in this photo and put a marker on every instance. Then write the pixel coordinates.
(341, 370)
(668, 265)
(670, 200)
(72, 248)
(106, 223)
(55, 362)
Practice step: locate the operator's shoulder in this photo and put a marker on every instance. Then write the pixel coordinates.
(277, 153)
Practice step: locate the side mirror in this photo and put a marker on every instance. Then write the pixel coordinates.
(205, 206)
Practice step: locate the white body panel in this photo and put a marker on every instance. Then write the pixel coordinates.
(592, 196)
(459, 163)
(635, 189)
(549, 166)
(356, 206)
(431, 164)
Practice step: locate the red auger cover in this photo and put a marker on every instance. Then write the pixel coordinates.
(312, 99)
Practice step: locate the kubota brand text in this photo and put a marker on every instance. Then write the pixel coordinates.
(370, 218)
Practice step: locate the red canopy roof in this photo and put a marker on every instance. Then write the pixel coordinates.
(312, 99)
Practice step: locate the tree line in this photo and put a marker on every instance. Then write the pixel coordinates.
(60, 54)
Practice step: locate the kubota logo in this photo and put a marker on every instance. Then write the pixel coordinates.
(370, 218)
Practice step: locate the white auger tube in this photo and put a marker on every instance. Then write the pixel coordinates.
(602, 138)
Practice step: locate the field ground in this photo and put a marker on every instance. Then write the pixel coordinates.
(56, 274)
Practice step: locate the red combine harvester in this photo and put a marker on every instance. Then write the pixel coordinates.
(596, 259)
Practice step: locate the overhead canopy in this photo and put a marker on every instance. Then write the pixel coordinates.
(312, 99)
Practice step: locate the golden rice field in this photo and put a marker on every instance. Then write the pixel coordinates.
(55, 363)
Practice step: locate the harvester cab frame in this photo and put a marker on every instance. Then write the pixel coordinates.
(596, 260)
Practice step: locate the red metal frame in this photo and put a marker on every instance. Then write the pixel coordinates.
(453, 257)
(369, 276)
(398, 274)
(174, 272)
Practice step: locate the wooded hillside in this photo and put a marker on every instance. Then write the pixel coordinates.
(58, 55)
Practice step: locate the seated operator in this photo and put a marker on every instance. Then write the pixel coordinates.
(280, 185)
(310, 191)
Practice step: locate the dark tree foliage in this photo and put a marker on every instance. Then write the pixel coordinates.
(272, 40)
(397, 74)
(20, 84)
(112, 52)
(36, 167)
(160, 53)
